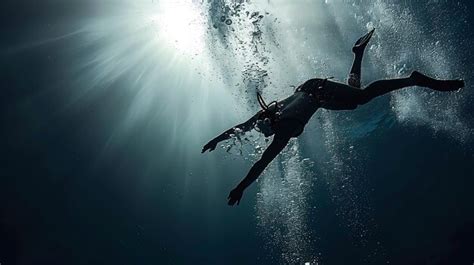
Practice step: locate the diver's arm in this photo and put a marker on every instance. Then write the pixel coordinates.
(270, 153)
(244, 127)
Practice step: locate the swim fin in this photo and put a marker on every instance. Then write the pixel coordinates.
(439, 85)
(362, 42)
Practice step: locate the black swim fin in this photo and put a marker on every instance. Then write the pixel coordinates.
(362, 42)
(439, 85)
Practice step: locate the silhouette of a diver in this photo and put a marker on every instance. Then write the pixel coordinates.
(287, 118)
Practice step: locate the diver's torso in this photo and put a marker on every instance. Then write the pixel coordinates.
(300, 107)
(331, 94)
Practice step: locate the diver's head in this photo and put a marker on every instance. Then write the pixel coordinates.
(264, 126)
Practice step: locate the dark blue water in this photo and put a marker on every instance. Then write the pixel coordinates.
(105, 107)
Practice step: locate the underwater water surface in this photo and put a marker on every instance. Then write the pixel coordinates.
(107, 104)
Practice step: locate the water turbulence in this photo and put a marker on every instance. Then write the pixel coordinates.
(342, 171)
(418, 48)
(245, 32)
(282, 207)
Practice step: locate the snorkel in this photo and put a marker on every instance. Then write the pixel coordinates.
(267, 118)
(262, 103)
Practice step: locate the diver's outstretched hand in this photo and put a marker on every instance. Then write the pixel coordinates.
(209, 146)
(234, 196)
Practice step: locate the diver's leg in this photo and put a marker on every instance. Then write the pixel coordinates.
(358, 50)
(382, 87)
(354, 76)
(436, 84)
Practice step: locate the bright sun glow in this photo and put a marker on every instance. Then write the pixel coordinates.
(182, 25)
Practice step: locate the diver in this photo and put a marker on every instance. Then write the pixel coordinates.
(287, 118)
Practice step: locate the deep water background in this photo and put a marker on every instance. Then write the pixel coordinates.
(77, 188)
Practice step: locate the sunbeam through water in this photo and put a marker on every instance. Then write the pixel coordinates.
(147, 83)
